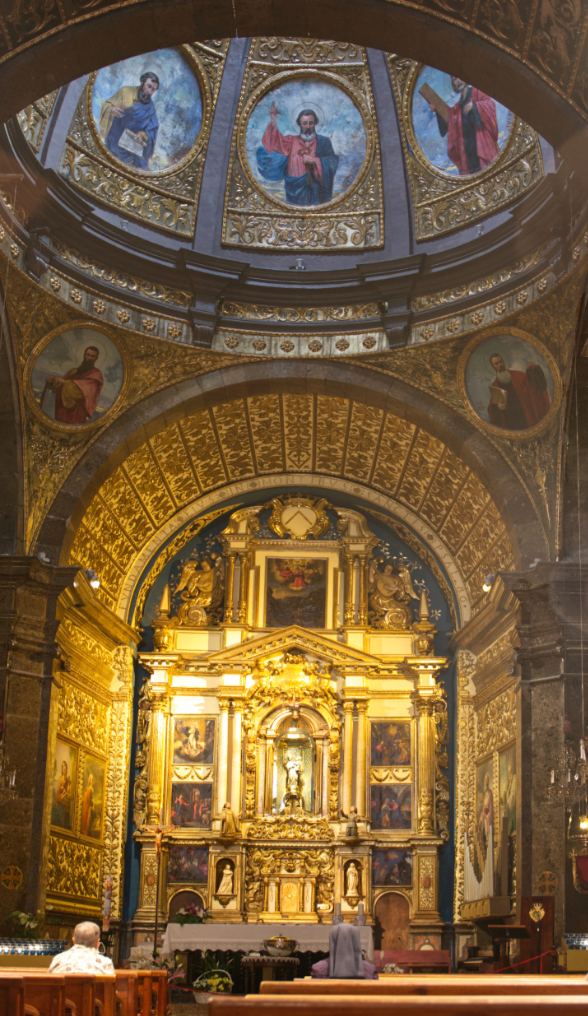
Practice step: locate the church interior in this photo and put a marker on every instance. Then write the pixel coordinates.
(294, 402)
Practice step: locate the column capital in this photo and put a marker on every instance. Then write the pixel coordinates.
(158, 699)
(224, 705)
(348, 706)
(362, 706)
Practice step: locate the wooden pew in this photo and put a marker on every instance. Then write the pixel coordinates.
(105, 995)
(457, 1005)
(126, 991)
(44, 992)
(159, 987)
(12, 1001)
(423, 984)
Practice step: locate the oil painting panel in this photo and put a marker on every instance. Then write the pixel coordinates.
(188, 864)
(147, 110)
(509, 382)
(390, 743)
(484, 815)
(77, 376)
(193, 740)
(65, 780)
(92, 797)
(296, 592)
(391, 806)
(191, 805)
(391, 867)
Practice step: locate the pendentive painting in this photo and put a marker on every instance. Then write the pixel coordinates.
(77, 376)
(391, 867)
(188, 864)
(65, 778)
(147, 110)
(191, 805)
(193, 740)
(92, 797)
(459, 129)
(484, 816)
(390, 743)
(391, 806)
(509, 382)
(305, 142)
(296, 592)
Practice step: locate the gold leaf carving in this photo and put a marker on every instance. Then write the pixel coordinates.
(496, 722)
(83, 717)
(33, 119)
(390, 774)
(427, 888)
(73, 869)
(300, 315)
(468, 289)
(117, 776)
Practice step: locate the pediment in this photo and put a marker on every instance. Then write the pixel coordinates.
(285, 640)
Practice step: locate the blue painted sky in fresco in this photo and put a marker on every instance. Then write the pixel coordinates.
(178, 101)
(424, 122)
(342, 123)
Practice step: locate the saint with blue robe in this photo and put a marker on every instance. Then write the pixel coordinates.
(306, 162)
(139, 118)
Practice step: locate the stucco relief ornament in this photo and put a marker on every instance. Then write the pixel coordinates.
(202, 589)
(390, 592)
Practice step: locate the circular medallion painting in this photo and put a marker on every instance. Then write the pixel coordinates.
(77, 376)
(305, 142)
(510, 383)
(148, 110)
(459, 129)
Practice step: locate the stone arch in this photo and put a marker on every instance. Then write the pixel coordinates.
(535, 69)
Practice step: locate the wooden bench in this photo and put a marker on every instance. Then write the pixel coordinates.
(134, 987)
(406, 984)
(458, 1005)
(12, 1001)
(44, 994)
(414, 959)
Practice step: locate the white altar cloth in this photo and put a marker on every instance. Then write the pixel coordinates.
(249, 937)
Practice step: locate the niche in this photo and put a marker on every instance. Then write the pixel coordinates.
(225, 880)
(185, 898)
(392, 916)
(353, 882)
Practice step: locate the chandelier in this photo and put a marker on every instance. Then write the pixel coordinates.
(568, 776)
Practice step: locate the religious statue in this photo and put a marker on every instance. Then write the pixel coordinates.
(352, 880)
(390, 591)
(293, 762)
(201, 587)
(228, 822)
(351, 830)
(226, 884)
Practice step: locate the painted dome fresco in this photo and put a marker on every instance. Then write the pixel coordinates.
(224, 170)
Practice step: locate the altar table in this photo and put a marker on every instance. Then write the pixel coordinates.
(248, 937)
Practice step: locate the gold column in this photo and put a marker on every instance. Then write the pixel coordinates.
(223, 752)
(426, 764)
(236, 761)
(362, 614)
(230, 586)
(347, 756)
(360, 795)
(242, 612)
(349, 612)
(157, 741)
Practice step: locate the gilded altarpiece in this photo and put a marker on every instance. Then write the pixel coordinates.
(305, 170)
(296, 730)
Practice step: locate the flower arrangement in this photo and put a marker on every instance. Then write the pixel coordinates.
(213, 982)
(192, 915)
(24, 925)
(175, 970)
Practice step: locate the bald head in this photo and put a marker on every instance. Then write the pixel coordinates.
(87, 933)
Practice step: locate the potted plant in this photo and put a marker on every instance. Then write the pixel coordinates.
(23, 925)
(212, 981)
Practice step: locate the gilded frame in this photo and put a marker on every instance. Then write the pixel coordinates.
(444, 204)
(67, 428)
(333, 79)
(140, 175)
(518, 435)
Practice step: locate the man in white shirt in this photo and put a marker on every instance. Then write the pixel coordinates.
(83, 957)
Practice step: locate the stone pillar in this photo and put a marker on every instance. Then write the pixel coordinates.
(426, 764)
(347, 756)
(157, 768)
(223, 751)
(236, 759)
(242, 611)
(230, 587)
(361, 775)
(29, 591)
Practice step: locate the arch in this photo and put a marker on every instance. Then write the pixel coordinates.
(392, 912)
(535, 68)
(183, 898)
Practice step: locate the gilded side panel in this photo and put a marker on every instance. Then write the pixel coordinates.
(395, 443)
(83, 718)
(266, 427)
(149, 485)
(470, 503)
(331, 429)
(202, 445)
(298, 431)
(364, 430)
(74, 871)
(231, 425)
(450, 475)
(419, 471)
(172, 458)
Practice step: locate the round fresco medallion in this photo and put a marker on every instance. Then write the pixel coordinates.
(76, 376)
(509, 382)
(11, 877)
(148, 110)
(459, 129)
(305, 141)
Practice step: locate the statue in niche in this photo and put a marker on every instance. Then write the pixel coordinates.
(351, 830)
(352, 880)
(390, 591)
(226, 884)
(202, 589)
(293, 765)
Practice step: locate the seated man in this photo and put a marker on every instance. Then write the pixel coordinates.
(345, 959)
(83, 957)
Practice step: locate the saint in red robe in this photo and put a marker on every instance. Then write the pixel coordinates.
(76, 399)
(527, 399)
(472, 137)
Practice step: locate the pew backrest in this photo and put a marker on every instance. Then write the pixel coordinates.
(435, 1005)
(45, 992)
(126, 991)
(431, 985)
(12, 1001)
